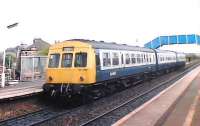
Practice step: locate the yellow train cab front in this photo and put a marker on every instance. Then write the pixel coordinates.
(71, 62)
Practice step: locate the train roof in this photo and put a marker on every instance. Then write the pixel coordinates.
(112, 45)
(164, 51)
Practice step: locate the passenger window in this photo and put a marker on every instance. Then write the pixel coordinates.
(147, 60)
(141, 58)
(133, 60)
(122, 59)
(80, 60)
(127, 59)
(150, 58)
(67, 60)
(54, 60)
(115, 59)
(106, 59)
(138, 58)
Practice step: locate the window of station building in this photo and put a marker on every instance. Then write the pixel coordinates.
(67, 59)
(115, 59)
(80, 59)
(133, 59)
(106, 59)
(127, 59)
(54, 60)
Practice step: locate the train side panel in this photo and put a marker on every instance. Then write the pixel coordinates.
(108, 74)
(123, 69)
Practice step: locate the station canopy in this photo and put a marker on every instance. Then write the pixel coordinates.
(173, 39)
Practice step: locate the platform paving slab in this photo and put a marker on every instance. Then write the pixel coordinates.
(157, 109)
(182, 114)
(196, 118)
(21, 89)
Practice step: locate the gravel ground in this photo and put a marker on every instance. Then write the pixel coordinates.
(19, 107)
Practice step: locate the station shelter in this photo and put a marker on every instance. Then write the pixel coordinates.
(33, 67)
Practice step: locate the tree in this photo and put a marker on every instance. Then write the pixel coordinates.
(44, 52)
(9, 60)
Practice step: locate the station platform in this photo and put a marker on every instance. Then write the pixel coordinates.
(21, 89)
(178, 105)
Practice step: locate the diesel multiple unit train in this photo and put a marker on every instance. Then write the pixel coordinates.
(89, 67)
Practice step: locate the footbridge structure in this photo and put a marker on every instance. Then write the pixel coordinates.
(183, 43)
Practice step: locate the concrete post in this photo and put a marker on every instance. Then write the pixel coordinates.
(3, 71)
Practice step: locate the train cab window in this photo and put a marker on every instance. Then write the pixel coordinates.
(67, 59)
(133, 60)
(127, 59)
(106, 59)
(115, 59)
(80, 59)
(54, 60)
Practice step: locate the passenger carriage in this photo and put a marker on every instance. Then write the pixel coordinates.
(166, 60)
(77, 66)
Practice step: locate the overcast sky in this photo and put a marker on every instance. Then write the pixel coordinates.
(122, 21)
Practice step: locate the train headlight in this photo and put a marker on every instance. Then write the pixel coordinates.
(81, 78)
(50, 78)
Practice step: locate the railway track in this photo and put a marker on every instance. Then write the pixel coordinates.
(108, 114)
(48, 116)
(37, 117)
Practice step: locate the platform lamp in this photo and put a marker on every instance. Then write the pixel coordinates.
(4, 58)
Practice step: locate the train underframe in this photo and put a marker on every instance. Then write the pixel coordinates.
(93, 91)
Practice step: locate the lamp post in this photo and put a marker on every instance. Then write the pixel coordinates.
(4, 58)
